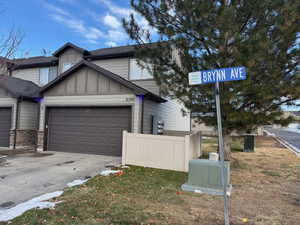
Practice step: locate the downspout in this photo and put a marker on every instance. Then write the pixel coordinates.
(142, 118)
(191, 122)
(10, 69)
(16, 122)
(38, 124)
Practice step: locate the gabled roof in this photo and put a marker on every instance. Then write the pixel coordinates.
(135, 88)
(39, 61)
(102, 53)
(114, 52)
(19, 88)
(70, 45)
(4, 59)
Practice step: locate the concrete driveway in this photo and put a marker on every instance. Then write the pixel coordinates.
(24, 176)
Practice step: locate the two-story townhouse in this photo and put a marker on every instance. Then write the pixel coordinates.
(89, 97)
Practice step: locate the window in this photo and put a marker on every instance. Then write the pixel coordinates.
(67, 66)
(47, 74)
(137, 72)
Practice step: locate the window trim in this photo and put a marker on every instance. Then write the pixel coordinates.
(49, 74)
(40, 72)
(130, 71)
(64, 63)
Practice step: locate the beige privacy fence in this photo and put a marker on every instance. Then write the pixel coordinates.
(159, 151)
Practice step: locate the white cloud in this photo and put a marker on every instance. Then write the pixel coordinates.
(120, 12)
(111, 44)
(93, 33)
(116, 35)
(90, 33)
(56, 9)
(116, 9)
(111, 21)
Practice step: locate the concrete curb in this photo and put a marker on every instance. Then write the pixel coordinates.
(283, 142)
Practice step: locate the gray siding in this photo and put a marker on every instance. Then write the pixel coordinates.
(32, 74)
(173, 117)
(3, 69)
(150, 109)
(68, 56)
(149, 85)
(118, 66)
(87, 82)
(28, 115)
(170, 112)
(4, 93)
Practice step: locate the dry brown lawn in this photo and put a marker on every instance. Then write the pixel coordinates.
(266, 189)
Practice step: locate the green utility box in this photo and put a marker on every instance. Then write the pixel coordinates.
(205, 177)
(249, 143)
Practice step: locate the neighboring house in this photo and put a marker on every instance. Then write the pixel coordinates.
(18, 112)
(90, 96)
(4, 65)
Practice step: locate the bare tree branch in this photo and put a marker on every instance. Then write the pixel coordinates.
(9, 44)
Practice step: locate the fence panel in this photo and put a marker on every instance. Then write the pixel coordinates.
(157, 151)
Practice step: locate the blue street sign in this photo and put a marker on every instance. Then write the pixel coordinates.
(217, 75)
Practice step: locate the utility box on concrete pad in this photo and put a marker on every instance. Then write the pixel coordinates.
(249, 143)
(205, 177)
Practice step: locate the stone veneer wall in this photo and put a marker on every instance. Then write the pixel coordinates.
(25, 138)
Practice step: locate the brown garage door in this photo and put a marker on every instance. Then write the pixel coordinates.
(88, 130)
(5, 125)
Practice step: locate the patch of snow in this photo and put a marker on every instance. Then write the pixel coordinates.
(109, 172)
(38, 202)
(295, 130)
(205, 137)
(294, 125)
(77, 182)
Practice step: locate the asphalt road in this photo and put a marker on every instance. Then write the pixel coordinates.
(290, 136)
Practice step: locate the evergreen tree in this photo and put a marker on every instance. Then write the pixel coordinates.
(193, 35)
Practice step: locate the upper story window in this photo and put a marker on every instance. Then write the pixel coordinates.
(47, 74)
(137, 72)
(67, 66)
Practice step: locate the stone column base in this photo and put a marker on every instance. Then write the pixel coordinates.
(25, 138)
(40, 141)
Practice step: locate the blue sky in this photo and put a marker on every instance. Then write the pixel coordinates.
(49, 24)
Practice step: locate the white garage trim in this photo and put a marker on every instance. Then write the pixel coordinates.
(93, 100)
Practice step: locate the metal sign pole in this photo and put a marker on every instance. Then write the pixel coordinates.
(221, 149)
(216, 76)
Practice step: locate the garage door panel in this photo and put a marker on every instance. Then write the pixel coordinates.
(5, 125)
(72, 130)
(88, 130)
(90, 124)
(89, 140)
